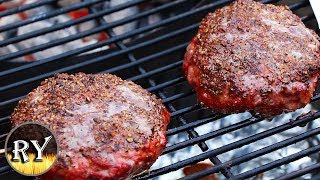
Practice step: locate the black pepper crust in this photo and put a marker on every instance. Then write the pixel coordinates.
(126, 123)
(251, 56)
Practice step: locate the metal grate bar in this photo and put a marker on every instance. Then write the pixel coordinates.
(299, 5)
(120, 52)
(112, 40)
(202, 145)
(147, 58)
(156, 71)
(295, 174)
(185, 110)
(25, 7)
(256, 154)
(176, 96)
(46, 16)
(268, 1)
(4, 169)
(4, 119)
(14, 100)
(165, 84)
(69, 23)
(193, 124)
(234, 145)
(102, 28)
(213, 134)
(308, 18)
(215, 160)
(119, 44)
(53, 14)
(3, 136)
(278, 163)
(101, 58)
(198, 123)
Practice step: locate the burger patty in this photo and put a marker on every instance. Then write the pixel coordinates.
(251, 56)
(107, 128)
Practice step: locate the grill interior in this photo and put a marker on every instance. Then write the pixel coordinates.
(151, 55)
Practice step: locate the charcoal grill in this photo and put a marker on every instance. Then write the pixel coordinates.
(151, 56)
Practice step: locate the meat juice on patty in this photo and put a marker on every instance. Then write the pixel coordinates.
(253, 57)
(108, 128)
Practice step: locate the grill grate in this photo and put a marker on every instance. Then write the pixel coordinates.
(151, 56)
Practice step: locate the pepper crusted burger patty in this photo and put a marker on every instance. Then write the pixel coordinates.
(251, 56)
(108, 128)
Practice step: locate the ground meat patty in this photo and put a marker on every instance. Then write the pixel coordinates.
(250, 56)
(108, 128)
